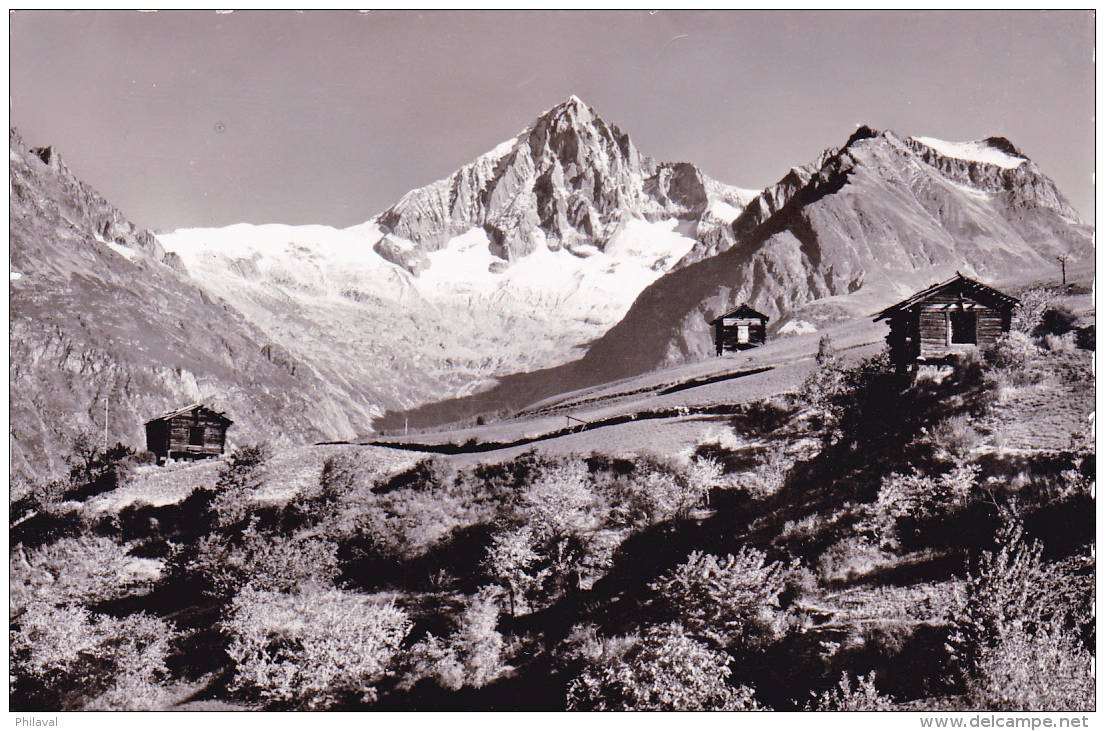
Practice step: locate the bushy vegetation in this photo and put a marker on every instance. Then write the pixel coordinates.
(312, 648)
(859, 545)
(663, 670)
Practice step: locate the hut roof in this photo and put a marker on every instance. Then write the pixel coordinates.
(966, 287)
(191, 407)
(743, 311)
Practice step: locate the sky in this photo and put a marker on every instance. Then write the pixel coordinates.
(197, 118)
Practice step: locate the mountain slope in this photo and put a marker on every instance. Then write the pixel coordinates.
(878, 219)
(101, 326)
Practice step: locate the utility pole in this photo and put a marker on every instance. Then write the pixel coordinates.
(107, 400)
(1063, 262)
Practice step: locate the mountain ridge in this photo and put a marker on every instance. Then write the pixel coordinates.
(563, 253)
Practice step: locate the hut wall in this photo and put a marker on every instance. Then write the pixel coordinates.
(933, 333)
(187, 439)
(991, 325)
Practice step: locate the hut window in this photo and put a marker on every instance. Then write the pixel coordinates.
(195, 434)
(964, 327)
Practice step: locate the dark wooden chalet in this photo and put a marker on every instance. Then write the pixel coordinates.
(947, 318)
(741, 329)
(194, 432)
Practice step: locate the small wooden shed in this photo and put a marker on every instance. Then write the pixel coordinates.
(741, 329)
(193, 432)
(947, 318)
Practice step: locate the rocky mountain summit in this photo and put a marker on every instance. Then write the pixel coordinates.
(569, 180)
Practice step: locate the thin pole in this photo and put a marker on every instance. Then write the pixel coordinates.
(107, 398)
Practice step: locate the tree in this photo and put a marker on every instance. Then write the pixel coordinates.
(509, 560)
(823, 383)
(727, 600)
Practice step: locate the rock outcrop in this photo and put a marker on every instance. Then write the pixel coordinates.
(566, 181)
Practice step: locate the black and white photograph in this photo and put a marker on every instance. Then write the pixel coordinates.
(552, 360)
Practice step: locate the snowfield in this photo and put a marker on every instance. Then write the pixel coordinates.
(327, 297)
(972, 152)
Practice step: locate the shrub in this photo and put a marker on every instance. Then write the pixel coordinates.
(825, 382)
(1086, 337)
(1029, 311)
(237, 482)
(906, 502)
(1056, 320)
(673, 493)
(849, 558)
(92, 469)
(309, 650)
(770, 474)
(864, 697)
(560, 501)
(1046, 670)
(472, 656)
(264, 561)
(727, 601)
(138, 647)
(954, 437)
(1011, 591)
(116, 664)
(665, 670)
(74, 570)
(51, 639)
(1012, 358)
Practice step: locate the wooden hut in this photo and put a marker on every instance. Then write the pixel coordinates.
(741, 329)
(947, 318)
(194, 432)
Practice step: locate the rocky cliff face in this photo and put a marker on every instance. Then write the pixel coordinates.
(566, 181)
(103, 328)
(863, 227)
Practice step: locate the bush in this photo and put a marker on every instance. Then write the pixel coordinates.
(848, 559)
(824, 383)
(1030, 310)
(560, 501)
(472, 656)
(116, 664)
(864, 697)
(93, 470)
(312, 649)
(674, 492)
(1056, 320)
(1012, 592)
(906, 503)
(82, 570)
(727, 601)
(665, 670)
(237, 482)
(1045, 670)
(1012, 355)
(510, 561)
(264, 561)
